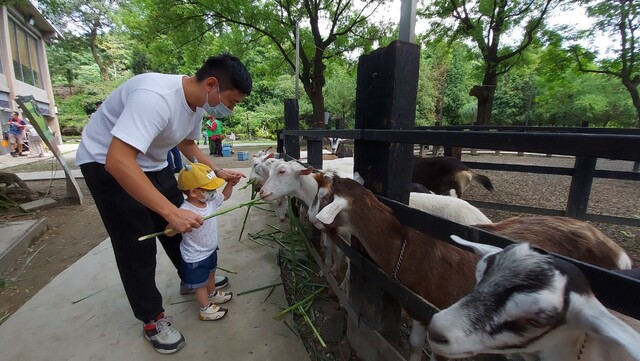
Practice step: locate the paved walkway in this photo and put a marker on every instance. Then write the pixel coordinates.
(83, 314)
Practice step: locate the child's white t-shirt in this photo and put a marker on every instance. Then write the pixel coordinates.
(201, 242)
(150, 113)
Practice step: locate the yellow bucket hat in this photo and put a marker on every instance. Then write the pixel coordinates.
(198, 175)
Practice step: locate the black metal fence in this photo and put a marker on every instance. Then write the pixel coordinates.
(384, 138)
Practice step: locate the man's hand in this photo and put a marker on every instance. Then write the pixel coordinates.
(183, 221)
(230, 175)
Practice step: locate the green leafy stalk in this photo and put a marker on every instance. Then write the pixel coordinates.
(170, 230)
(315, 330)
(293, 307)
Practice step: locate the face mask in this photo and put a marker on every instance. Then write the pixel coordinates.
(219, 111)
(206, 196)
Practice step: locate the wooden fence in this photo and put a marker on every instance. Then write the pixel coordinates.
(384, 139)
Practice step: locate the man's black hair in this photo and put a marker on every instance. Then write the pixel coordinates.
(229, 71)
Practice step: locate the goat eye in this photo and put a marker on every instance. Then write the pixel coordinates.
(281, 171)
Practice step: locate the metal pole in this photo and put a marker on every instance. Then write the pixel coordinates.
(408, 20)
(297, 58)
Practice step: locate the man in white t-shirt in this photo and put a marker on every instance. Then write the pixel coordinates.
(123, 158)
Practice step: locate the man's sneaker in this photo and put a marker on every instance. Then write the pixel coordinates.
(212, 312)
(220, 297)
(164, 337)
(221, 282)
(14, 154)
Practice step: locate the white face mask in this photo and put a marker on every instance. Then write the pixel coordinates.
(206, 196)
(219, 111)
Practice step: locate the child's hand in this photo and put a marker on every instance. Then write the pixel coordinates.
(234, 181)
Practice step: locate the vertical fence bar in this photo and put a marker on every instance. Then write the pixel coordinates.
(314, 152)
(580, 190)
(280, 141)
(291, 122)
(385, 99)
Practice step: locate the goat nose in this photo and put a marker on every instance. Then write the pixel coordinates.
(437, 337)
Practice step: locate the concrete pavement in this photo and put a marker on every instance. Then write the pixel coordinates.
(83, 314)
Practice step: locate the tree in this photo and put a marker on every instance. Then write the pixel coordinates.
(621, 20)
(328, 29)
(91, 19)
(487, 22)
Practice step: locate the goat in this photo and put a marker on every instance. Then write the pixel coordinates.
(440, 174)
(339, 148)
(526, 300)
(401, 251)
(261, 164)
(576, 239)
(293, 179)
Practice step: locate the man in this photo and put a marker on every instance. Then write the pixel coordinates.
(123, 157)
(16, 134)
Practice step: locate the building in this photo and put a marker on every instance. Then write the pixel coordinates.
(23, 62)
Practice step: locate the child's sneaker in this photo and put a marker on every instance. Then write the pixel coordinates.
(164, 337)
(220, 297)
(212, 312)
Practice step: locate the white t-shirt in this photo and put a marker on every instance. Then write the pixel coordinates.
(201, 242)
(148, 112)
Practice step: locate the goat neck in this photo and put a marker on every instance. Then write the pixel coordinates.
(437, 271)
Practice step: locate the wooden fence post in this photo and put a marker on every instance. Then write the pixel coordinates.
(580, 190)
(314, 152)
(385, 99)
(291, 122)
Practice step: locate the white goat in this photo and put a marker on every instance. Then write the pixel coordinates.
(526, 300)
(261, 165)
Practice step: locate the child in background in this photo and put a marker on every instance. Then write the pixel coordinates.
(35, 142)
(199, 247)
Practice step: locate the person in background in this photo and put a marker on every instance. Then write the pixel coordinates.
(16, 134)
(207, 128)
(35, 141)
(123, 158)
(216, 136)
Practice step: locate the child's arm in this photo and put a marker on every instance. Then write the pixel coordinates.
(228, 188)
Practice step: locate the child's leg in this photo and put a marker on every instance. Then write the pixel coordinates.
(211, 284)
(202, 296)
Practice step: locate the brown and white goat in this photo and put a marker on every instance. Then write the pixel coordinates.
(530, 302)
(574, 238)
(440, 174)
(344, 203)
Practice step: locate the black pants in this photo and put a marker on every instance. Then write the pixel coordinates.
(219, 147)
(125, 220)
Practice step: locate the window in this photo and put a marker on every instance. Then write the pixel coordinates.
(25, 55)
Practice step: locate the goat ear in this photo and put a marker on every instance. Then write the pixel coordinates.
(601, 323)
(329, 213)
(270, 155)
(480, 249)
(358, 178)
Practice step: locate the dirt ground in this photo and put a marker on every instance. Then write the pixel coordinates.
(75, 229)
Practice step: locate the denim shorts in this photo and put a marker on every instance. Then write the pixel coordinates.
(196, 275)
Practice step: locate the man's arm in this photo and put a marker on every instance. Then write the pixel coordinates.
(190, 150)
(121, 164)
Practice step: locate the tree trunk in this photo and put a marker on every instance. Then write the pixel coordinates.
(485, 95)
(104, 72)
(633, 90)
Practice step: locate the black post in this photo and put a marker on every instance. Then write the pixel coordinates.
(580, 190)
(280, 142)
(314, 152)
(291, 122)
(385, 99)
